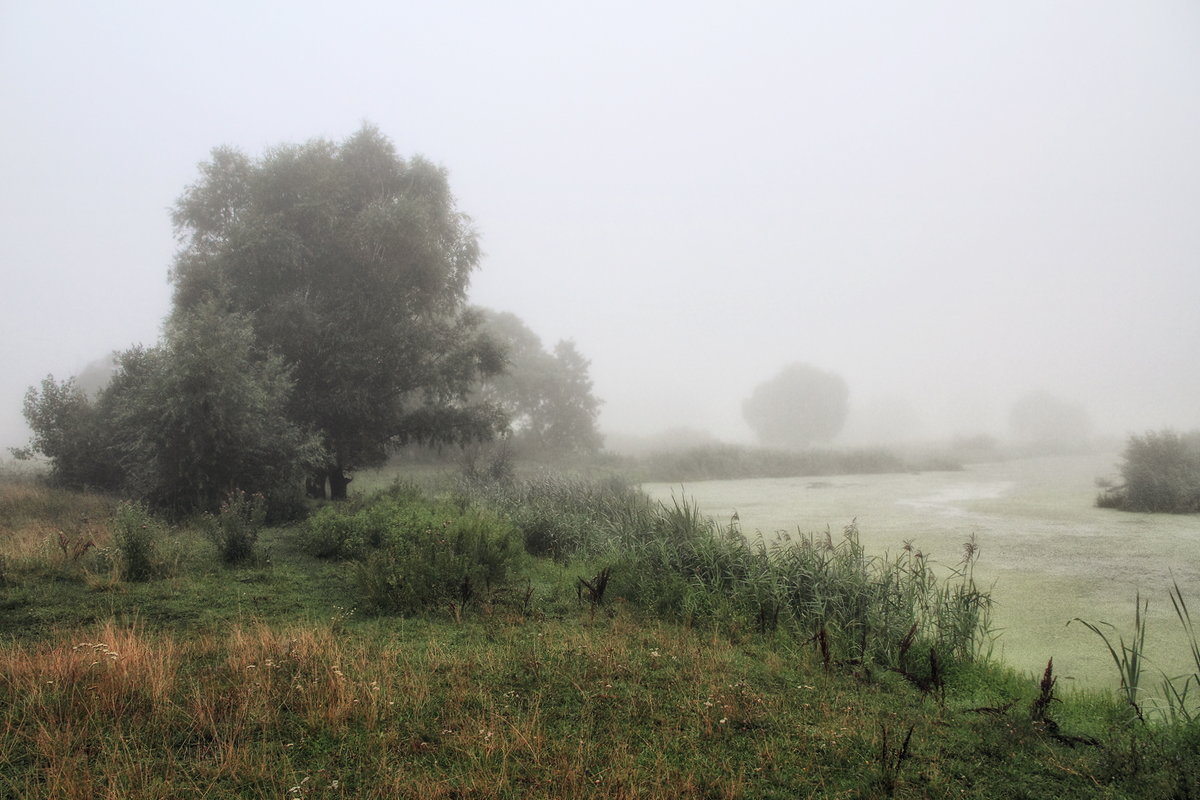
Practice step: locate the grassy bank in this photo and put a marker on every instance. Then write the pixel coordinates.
(702, 668)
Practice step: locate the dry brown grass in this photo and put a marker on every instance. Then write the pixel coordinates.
(169, 713)
(112, 670)
(40, 525)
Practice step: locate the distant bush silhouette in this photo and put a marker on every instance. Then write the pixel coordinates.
(1161, 473)
(799, 407)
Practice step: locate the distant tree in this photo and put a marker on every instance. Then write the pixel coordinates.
(1161, 473)
(352, 264)
(1044, 422)
(547, 397)
(799, 407)
(183, 424)
(568, 421)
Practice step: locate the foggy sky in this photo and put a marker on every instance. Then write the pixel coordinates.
(949, 204)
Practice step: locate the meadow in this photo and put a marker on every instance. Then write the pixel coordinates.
(1047, 552)
(545, 637)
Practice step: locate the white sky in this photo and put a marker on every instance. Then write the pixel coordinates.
(951, 204)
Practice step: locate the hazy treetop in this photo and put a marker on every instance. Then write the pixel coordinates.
(949, 204)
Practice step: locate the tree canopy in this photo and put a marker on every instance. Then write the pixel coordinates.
(352, 264)
(799, 407)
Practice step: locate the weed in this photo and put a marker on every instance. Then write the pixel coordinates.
(137, 535)
(1040, 709)
(234, 528)
(73, 546)
(104, 573)
(595, 587)
(891, 759)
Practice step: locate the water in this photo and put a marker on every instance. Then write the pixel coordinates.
(1049, 553)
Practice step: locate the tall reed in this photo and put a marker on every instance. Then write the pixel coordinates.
(1181, 705)
(1129, 658)
(673, 560)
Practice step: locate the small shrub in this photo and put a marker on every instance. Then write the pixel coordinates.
(331, 533)
(234, 528)
(344, 533)
(136, 534)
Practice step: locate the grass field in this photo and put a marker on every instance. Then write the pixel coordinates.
(1051, 554)
(266, 680)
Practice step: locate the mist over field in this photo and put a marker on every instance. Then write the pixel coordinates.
(952, 207)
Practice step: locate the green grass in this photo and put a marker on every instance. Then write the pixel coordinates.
(260, 680)
(613, 705)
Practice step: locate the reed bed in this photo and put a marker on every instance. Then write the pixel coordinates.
(672, 559)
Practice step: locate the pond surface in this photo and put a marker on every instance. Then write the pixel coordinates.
(1049, 553)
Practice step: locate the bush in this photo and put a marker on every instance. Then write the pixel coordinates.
(1161, 473)
(137, 534)
(455, 563)
(412, 554)
(234, 528)
(354, 532)
(331, 533)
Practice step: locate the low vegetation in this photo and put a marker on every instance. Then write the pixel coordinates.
(489, 642)
(732, 461)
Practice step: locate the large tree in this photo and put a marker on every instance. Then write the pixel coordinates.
(799, 407)
(352, 264)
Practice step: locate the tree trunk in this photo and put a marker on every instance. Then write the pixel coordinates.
(314, 485)
(338, 481)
